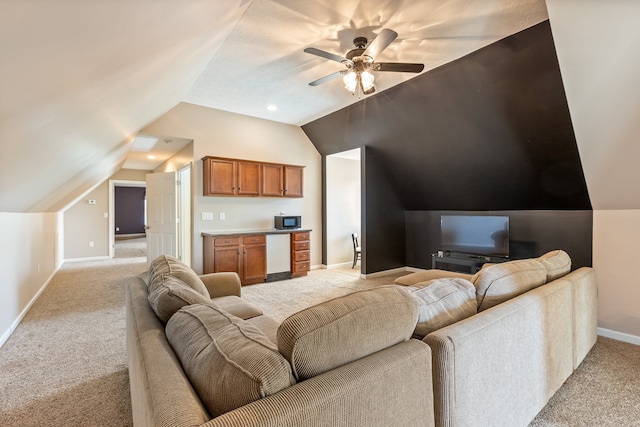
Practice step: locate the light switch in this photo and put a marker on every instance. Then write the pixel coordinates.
(207, 216)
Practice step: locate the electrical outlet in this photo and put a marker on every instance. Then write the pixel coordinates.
(90, 243)
(207, 216)
(222, 216)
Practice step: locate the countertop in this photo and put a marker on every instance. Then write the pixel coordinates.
(230, 233)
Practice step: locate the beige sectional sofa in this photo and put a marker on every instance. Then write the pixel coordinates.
(491, 349)
(536, 322)
(219, 361)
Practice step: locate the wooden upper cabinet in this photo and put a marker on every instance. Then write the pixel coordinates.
(219, 176)
(234, 177)
(249, 178)
(293, 181)
(272, 180)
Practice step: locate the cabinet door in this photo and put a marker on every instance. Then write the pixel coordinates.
(248, 179)
(227, 259)
(272, 180)
(219, 177)
(254, 263)
(293, 181)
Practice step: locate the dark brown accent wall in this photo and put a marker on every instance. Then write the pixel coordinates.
(129, 210)
(488, 132)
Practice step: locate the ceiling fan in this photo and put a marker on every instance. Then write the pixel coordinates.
(360, 63)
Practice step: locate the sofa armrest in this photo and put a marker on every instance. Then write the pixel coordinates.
(222, 284)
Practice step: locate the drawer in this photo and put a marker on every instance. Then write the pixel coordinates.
(227, 241)
(261, 238)
(301, 236)
(301, 266)
(301, 246)
(301, 256)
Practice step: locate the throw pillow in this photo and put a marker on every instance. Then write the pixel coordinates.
(557, 263)
(442, 302)
(336, 332)
(229, 362)
(165, 264)
(501, 282)
(170, 294)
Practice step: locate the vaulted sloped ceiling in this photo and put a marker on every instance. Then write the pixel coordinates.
(489, 131)
(80, 78)
(597, 44)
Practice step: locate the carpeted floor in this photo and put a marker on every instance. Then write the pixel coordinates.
(65, 365)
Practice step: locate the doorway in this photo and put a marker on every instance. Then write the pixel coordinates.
(343, 211)
(132, 248)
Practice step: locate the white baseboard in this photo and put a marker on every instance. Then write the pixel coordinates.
(344, 264)
(620, 336)
(15, 324)
(95, 258)
(385, 272)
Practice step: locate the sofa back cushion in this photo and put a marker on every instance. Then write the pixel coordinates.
(165, 264)
(336, 332)
(442, 302)
(169, 294)
(229, 362)
(557, 264)
(501, 282)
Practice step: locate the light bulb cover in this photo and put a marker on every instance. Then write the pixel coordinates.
(367, 80)
(350, 81)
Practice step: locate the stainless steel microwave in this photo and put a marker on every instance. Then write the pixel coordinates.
(287, 222)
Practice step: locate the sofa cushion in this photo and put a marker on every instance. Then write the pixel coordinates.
(336, 332)
(501, 282)
(442, 302)
(229, 362)
(557, 263)
(165, 264)
(170, 294)
(426, 275)
(237, 306)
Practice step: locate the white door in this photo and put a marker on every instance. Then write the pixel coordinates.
(162, 227)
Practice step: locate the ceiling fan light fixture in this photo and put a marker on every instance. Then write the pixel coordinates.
(350, 81)
(366, 80)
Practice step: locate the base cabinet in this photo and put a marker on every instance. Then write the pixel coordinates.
(245, 255)
(300, 253)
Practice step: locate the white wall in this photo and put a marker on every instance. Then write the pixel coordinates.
(223, 134)
(343, 208)
(596, 43)
(84, 222)
(28, 259)
(616, 249)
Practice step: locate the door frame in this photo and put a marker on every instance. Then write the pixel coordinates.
(113, 183)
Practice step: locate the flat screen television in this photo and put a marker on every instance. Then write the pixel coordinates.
(475, 234)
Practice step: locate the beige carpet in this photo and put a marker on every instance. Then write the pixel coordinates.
(65, 365)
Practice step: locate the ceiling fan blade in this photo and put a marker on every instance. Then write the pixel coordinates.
(327, 78)
(402, 67)
(380, 43)
(327, 55)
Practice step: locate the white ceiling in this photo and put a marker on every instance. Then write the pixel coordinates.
(262, 62)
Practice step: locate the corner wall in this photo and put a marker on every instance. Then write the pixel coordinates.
(616, 234)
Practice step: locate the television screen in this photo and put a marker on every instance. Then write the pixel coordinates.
(475, 234)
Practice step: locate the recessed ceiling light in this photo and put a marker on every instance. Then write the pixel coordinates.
(272, 107)
(151, 156)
